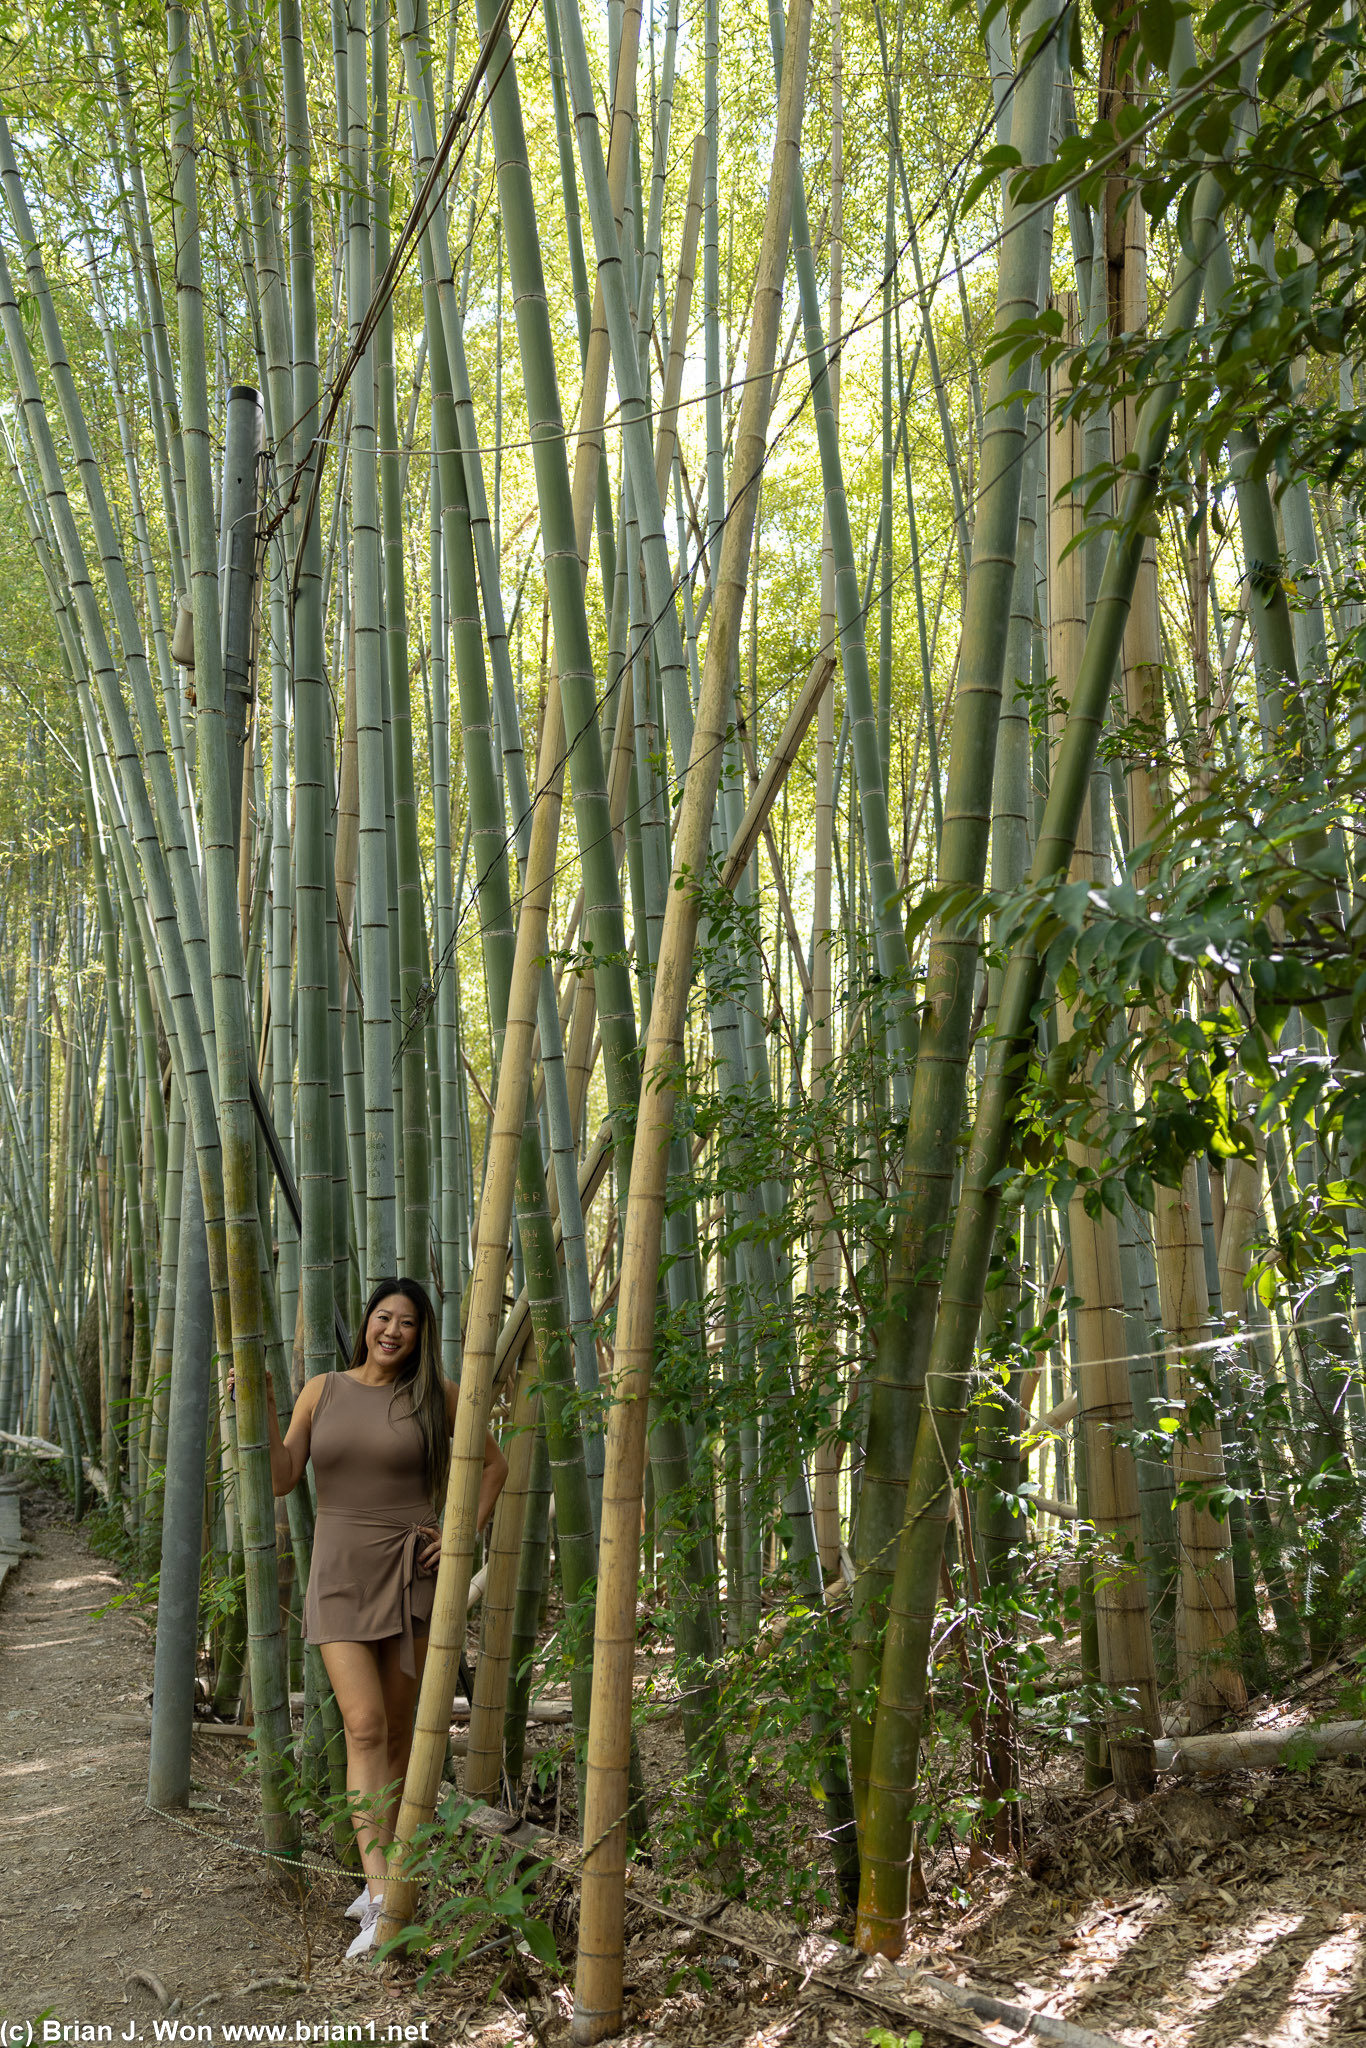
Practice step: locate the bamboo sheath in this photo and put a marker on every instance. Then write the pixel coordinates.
(888, 1828)
(598, 1987)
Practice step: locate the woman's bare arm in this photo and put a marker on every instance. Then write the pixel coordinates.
(289, 1455)
(493, 1480)
(495, 1464)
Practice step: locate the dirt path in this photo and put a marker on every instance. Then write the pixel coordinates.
(1229, 1918)
(106, 1909)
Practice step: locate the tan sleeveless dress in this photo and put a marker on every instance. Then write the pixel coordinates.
(364, 1584)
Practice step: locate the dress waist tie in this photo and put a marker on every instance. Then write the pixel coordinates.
(409, 1533)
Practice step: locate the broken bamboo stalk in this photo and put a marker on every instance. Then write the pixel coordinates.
(774, 776)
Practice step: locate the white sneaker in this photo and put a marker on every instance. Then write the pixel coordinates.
(369, 1925)
(356, 1909)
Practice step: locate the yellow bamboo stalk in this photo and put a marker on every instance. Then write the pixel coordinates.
(1142, 656)
(805, 706)
(1123, 1630)
(597, 362)
(579, 1046)
(666, 434)
(1206, 1617)
(480, 1348)
(1242, 1221)
(598, 1985)
(517, 1327)
(484, 1758)
(825, 1250)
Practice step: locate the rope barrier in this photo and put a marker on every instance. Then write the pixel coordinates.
(336, 1871)
(730, 1937)
(1245, 1333)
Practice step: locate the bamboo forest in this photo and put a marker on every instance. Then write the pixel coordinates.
(682, 748)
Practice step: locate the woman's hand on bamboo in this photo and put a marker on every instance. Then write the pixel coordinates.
(286, 1463)
(232, 1388)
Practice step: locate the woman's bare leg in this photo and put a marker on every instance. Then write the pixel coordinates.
(400, 1706)
(354, 1671)
(377, 1702)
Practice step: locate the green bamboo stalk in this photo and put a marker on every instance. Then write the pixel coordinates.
(939, 1084)
(162, 908)
(484, 1757)
(351, 47)
(452, 1273)
(695, 1620)
(416, 1154)
(509, 1127)
(893, 960)
(163, 400)
(471, 493)
(127, 1123)
(150, 581)
(887, 1828)
(312, 880)
(1115, 1596)
(162, 787)
(598, 1990)
(563, 549)
(270, 1678)
(531, 1570)
(489, 841)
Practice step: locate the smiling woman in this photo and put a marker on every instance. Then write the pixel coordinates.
(379, 1437)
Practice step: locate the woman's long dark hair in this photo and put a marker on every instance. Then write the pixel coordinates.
(420, 1377)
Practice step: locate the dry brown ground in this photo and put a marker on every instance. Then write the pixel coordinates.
(1233, 1917)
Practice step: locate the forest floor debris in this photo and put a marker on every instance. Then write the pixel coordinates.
(1229, 1915)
